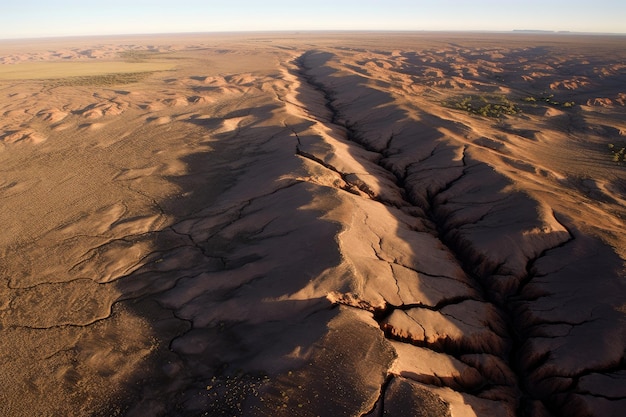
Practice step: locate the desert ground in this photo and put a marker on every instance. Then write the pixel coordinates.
(313, 224)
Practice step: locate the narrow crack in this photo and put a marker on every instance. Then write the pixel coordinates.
(70, 325)
(530, 265)
(183, 333)
(349, 187)
(379, 405)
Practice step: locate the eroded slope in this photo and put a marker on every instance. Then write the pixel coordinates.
(297, 229)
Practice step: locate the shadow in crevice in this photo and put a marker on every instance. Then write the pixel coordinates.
(244, 236)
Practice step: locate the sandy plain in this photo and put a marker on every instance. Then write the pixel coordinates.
(313, 224)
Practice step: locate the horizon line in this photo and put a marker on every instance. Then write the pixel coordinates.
(297, 31)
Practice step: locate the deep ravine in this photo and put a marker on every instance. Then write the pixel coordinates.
(480, 271)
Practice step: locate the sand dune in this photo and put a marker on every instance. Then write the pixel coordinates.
(317, 224)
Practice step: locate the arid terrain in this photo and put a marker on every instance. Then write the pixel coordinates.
(313, 224)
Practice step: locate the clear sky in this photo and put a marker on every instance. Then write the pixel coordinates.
(37, 18)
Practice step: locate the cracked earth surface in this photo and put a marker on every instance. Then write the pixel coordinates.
(304, 229)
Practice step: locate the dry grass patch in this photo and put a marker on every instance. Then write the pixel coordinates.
(85, 70)
(102, 79)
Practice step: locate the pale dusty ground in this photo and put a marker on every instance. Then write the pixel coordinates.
(306, 224)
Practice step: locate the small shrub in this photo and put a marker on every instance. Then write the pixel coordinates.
(619, 155)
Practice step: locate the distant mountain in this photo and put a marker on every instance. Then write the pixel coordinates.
(533, 31)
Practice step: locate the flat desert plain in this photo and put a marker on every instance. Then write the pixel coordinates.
(313, 224)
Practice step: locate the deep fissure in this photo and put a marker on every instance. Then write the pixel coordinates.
(516, 334)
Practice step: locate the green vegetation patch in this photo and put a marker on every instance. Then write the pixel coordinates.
(484, 105)
(549, 99)
(618, 153)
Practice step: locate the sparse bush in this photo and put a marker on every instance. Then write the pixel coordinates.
(549, 99)
(619, 155)
(484, 105)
